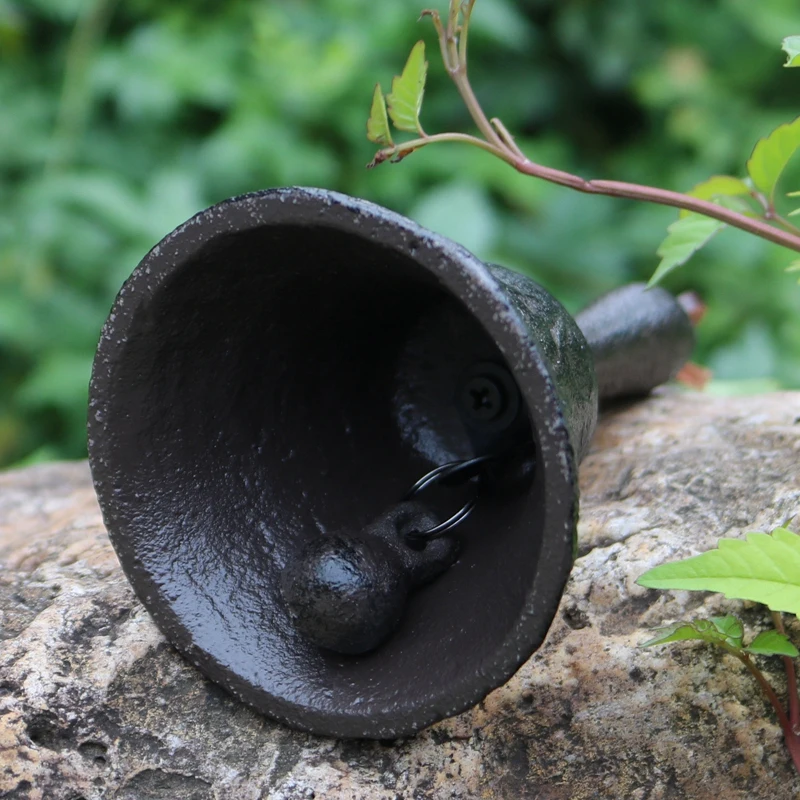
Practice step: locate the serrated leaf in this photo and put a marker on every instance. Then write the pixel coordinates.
(717, 187)
(378, 130)
(762, 567)
(791, 46)
(715, 631)
(677, 632)
(772, 643)
(730, 628)
(684, 238)
(771, 155)
(408, 88)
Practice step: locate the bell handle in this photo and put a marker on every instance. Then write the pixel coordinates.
(639, 337)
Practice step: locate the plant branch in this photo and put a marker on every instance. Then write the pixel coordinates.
(785, 224)
(440, 33)
(790, 737)
(452, 34)
(466, 14)
(765, 686)
(665, 197)
(506, 136)
(791, 679)
(456, 63)
(404, 149)
(500, 142)
(474, 107)
(452, 137)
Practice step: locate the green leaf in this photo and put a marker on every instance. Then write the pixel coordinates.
(405, 99)
(794, 266)
(378, 123)
(791, 46)
(797, 210)
(684, 238)
(763, 567)
(772, 643)
(718, 630)
(771, 155)
(730, 628)
(717, 187)
(743, 205)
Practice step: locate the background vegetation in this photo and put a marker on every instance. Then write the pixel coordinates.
(121, 120)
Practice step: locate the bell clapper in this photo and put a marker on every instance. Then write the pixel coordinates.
(347, 592)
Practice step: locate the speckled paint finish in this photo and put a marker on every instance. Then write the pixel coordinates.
(639, 337)
(276, 369)
(348, 591)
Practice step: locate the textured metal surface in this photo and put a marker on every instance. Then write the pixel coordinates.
(639, 338)
(283, 366)
(347, 591)
(563, 346)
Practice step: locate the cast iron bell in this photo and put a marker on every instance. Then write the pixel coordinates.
(337, 454)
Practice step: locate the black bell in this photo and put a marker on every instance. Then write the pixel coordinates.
(337, 454)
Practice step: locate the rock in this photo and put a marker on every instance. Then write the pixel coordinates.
(94, 703)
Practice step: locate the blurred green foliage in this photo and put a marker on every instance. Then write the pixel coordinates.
(121, 120)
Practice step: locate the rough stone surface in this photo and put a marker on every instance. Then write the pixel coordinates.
(95, 704)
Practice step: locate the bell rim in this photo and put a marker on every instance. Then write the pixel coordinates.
(469, 280)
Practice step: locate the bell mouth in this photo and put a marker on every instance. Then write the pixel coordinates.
(284, 365)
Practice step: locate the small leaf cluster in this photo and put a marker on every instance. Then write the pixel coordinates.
(403, 104)
(764, 568)
(753, 196)
(726, 632)
(746, 203)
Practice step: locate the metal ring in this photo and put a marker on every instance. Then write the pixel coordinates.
(446, 471)
(438, 530)
(465, 470)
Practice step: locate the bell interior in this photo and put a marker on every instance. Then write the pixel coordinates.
(285, 382)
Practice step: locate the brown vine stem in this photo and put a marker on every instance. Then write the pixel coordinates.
(791, 679)
(458, 73)
(454, 54)
(664, 197)
(790, 737)
(400, 151)
(785, 224)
